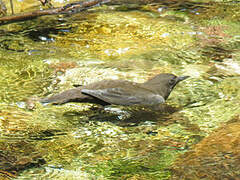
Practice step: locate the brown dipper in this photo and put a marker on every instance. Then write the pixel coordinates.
(120, 92)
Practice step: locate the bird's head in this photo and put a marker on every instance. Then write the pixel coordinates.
(164, 83)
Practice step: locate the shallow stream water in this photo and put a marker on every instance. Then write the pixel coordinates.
(47, 55)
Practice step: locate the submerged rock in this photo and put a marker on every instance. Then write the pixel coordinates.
(18, 156)
(215, 157)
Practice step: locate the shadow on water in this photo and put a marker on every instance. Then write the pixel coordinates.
(125, 116)
(47, 134)
(162, 115)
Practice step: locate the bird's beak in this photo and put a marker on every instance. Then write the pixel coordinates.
(181, 78)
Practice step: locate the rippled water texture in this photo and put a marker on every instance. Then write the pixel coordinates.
(194, 135)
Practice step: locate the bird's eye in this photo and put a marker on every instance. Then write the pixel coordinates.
(171, 82)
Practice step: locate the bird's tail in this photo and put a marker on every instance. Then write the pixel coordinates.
(64, 97)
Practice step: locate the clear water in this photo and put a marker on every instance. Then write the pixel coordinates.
(50, 54)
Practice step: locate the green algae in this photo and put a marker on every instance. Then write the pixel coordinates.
(128, 168)
(217, 110)
(21, 77)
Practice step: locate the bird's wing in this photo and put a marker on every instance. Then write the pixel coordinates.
(122, 96)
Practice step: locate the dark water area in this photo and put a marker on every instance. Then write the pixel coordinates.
(194, 135)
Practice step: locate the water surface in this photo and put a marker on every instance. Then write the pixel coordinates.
(50, 54)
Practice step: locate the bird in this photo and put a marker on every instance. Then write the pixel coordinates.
(120, 92)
